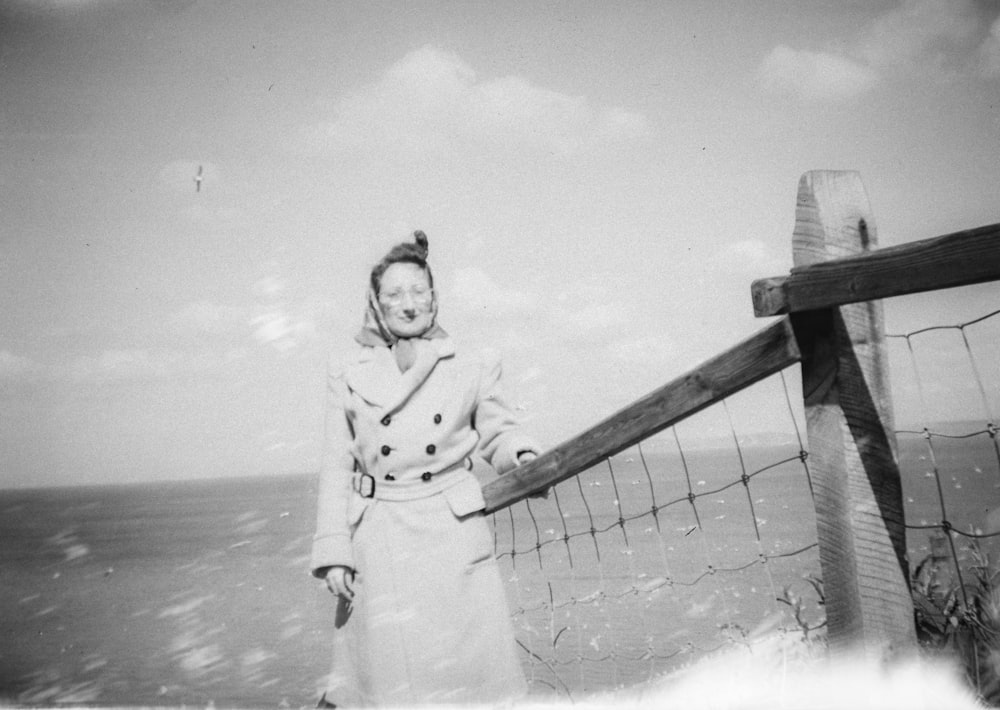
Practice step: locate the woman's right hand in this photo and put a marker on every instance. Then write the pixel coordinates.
(339, 580)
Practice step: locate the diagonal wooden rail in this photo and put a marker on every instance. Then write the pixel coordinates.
(768, 351)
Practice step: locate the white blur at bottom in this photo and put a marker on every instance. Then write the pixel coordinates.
(781, 673)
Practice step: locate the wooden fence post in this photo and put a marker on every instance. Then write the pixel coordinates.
(852, 444)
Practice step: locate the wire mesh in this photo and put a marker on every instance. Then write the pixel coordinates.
(689, 543)
(950, 461)
(952, 465)
(678, 547)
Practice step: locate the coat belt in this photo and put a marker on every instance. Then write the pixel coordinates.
(367, 486)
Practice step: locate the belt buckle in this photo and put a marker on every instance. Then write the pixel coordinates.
(366, 486)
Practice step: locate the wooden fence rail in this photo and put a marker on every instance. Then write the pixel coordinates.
(770, 350)
(959, 259)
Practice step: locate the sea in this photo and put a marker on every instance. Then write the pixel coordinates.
(197, 593)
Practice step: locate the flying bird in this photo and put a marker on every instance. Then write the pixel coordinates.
(197, 180)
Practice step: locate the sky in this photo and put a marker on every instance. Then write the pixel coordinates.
(599, 182)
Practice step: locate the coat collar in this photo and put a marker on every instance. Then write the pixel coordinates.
(375, 376)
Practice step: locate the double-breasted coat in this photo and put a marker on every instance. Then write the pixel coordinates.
(399, 505)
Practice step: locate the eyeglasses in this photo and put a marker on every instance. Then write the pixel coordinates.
(420, 295)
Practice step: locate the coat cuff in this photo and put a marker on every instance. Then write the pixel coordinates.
(330, 550)
(516, 444)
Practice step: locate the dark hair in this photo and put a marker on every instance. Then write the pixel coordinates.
(414, 252)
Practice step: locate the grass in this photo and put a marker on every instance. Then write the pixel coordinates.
(958, 614)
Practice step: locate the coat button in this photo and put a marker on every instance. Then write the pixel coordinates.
(390, 477)
(437, 418)
(386, 419)
(386, 450)
(431, 449)
(426, 475)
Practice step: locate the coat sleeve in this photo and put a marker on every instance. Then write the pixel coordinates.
(500, 435)
(332, 541)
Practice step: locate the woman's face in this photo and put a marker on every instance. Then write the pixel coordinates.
(406, 299)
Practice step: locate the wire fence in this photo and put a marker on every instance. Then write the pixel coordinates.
(951, 485)
(953, 489)
(687, 544)
(673, 549)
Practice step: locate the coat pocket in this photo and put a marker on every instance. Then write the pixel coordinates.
(465, 496)
(477, 541)
(465, 499)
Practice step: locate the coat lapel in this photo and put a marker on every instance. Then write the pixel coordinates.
(373, 375)
(376, 377)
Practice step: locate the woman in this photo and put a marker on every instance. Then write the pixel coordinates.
(401, 538)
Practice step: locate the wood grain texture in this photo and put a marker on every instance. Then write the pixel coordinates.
(768, 351)
(857, 491)
(959, 259)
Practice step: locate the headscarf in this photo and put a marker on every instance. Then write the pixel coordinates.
(375, 331)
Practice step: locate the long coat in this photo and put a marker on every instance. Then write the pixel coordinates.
(398, 504)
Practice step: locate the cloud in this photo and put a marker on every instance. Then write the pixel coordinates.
(989, 52)
(755, 257)
(279, 324)
(934, 39)
(269, 287)
(273, 320)
(63, 6)
(644, 351)
(815, 76)
(568, 316)
(147, 363)
(431, 98)
(560, 328)
(281, 331)
(211, 318)
(17, 366)
(595, 317)
(473, 292)
(922, 33)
